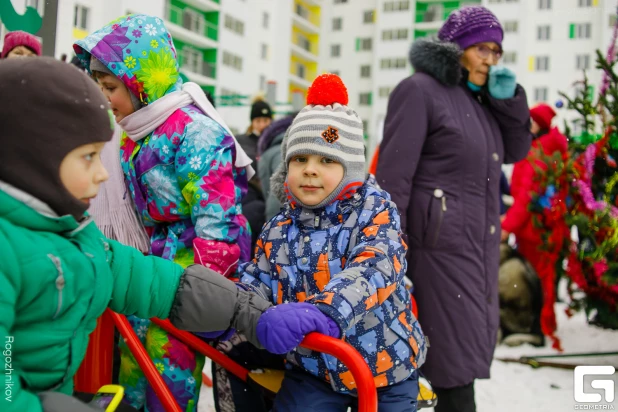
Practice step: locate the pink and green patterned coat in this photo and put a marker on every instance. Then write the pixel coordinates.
(182, 176)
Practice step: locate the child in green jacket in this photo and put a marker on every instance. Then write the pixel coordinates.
(58, 272)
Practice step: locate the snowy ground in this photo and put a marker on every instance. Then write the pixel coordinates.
(517, 388)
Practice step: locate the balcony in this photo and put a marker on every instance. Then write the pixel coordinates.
(191, 27)
(203, 79)
(299, 82)
(304, 48)
(305, 19)
(204, 5)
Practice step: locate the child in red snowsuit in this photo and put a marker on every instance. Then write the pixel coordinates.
(518, 219)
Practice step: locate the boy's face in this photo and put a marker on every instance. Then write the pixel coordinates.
(117, 94)
(81, 171)
(311, 178)
(260, 123)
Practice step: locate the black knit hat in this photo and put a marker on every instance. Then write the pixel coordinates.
(261, 109)
(49, 109)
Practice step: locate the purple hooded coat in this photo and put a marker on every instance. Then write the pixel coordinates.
(441, 160)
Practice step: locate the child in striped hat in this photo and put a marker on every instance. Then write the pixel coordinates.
(333, 261)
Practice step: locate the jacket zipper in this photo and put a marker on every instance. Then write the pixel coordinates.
(59, 282)
(440, 195)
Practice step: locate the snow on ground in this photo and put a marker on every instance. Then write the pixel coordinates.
(517, 388)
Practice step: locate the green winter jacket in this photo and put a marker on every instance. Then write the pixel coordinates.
(57, 276)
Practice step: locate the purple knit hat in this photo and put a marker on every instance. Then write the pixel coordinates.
(20, 38)
(471, 25)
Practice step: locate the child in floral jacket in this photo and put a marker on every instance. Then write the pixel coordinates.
(333, 261)
(185, 172)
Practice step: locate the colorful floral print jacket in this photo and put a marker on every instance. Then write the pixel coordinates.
(182, 176)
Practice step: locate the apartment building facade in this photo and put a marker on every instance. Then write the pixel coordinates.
(235, 48)
(547, 43)
(232, 48)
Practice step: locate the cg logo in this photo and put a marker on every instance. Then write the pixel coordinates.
(606, 384)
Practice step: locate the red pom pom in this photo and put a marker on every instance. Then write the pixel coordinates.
(327, 89)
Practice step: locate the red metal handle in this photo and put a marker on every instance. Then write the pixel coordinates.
(202, 347)
(367, 393)
(144, 362)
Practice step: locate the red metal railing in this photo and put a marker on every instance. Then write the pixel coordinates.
(367, 394)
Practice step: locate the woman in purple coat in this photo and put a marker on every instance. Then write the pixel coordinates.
(448, 129)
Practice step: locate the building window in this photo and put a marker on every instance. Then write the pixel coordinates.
(340, 1)
(232, 60)
(265, 20)
(365, 71)
(80, 17)
(364, 44)
(235, 25)
(510, 26)
(193, 21)
(303, 42)
(397, 5)
(612, 20)
(544, 4)
(584, 3)
(580, 30)
(335, 72)
(365, 99)
(302, 11)
(337, 24)
(192, 60)
(335, 50)
(582, 61)
(264, 53)
(385, 91)
(301, 70)
(262, 82)
(434, 12)
(396, 63)
(368, 16)
(540, 94)
(395, 34)
(509, 58)
(543, 32)
(542, 64)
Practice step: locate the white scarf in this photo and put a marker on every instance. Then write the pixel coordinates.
(142, 122)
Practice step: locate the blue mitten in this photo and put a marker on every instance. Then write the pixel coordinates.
(502, 82)
(282, 328)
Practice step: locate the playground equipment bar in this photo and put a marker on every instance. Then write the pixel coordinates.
(144, 362)
(367, 394)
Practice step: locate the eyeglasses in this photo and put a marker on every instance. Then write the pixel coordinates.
(484, 51)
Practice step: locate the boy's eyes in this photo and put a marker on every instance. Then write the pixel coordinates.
(302, 159)
(90, 156)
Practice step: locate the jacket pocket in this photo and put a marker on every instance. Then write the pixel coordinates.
(443, 227)
(437, 209)
(59, 283)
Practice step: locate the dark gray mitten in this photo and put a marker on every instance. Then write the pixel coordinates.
(59, 402)
(208, 302)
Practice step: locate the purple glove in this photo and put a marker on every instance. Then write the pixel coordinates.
(221, 335)
(282, 328)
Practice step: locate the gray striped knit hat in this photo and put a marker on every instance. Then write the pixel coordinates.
(327, 127)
